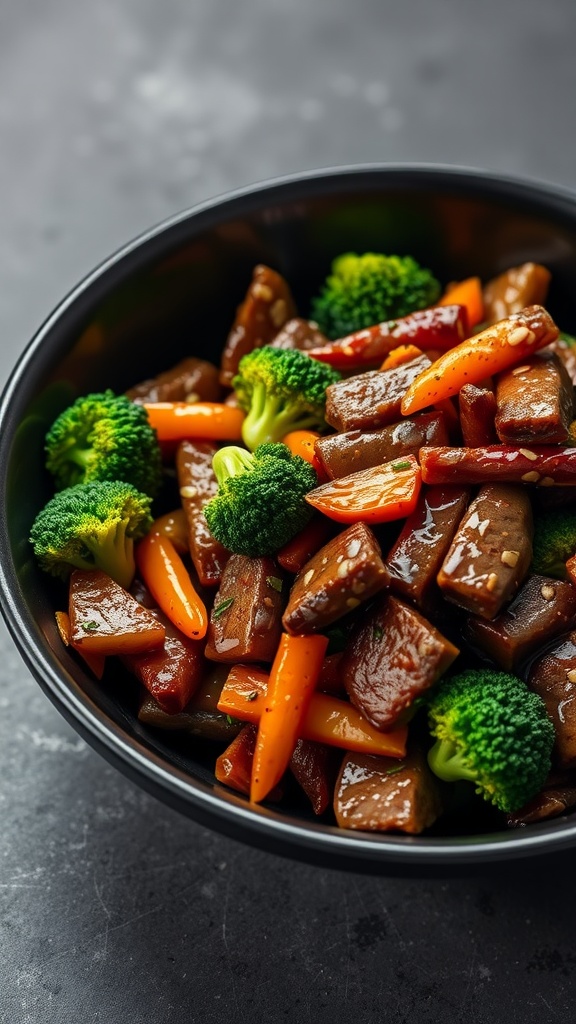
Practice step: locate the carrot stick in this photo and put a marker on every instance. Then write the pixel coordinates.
(328, 719)
(480, 356)
(292, 682)
(168, 580)
(94, 660)
(173, 526)
(301, 442)
(400, 355)
(176, 421)
(300, 549)
(467, 293)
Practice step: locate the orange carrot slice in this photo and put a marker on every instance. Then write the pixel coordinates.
(467, 293)
(377, 495)
(168, 580)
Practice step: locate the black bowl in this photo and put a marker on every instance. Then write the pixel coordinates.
(173, 292)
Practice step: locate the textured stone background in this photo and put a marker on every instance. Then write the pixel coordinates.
(114, 909)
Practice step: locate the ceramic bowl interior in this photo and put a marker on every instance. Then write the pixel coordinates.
(174, 292)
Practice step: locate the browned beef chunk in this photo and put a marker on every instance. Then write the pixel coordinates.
(534, 402)
(542, 609)
(526, 285)
(342, 454)
(392, 657)
(245, 622)
(299, 333)
(477, 408)
(266, 308)
(315, 766)
(550, 803)
(345, 572)
(566, 352)
(415, 559)
(380, 794)
(173, 672)
(373, 399)
(200, 717)
(491, 551)
(198, 485)
(553, 676)
(190, 380)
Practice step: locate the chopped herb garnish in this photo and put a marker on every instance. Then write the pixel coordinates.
(89, 627)
(222, 607)
(230, 720)
(252, 695)
(275, 583)
(377, 632)
(395, 770)
(401, 465)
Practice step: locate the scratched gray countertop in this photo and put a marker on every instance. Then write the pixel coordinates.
(113, 908)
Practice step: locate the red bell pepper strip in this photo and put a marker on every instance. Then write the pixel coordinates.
(376, 495)
(544, 465)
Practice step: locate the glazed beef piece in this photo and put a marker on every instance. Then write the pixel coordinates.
(345, 453)
(315, 767)
(542, 609)
(553, 676)
(245, 622)
(190, 380)
(526, 285)
(266, 308)
(338, 578)
(198, 484)
(200, 718)
(534, 402)
(393, 656)
(299, 333)
(477, 407)
(416, 557)
(373, 399)
(381, 794)
(173, 672)
(553, 801)
(491, 551)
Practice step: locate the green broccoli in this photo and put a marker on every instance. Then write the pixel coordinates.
(493, 731)
(281, 390)
(260, 503)
(367, 289)
(554, 542)
(104, 437)
(92, 526)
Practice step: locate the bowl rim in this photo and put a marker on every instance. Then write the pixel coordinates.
(215, 806)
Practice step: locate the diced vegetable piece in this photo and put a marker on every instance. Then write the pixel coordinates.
(168, 580)
(377, 495)
(482, 355)
(439, 327)
(173, 672)
(467, 293)
(234, 766)
(378, 794)
(338, 578)
(265, 309)
(293, 677)
(245, 622)
(544, 465)
(105, 618)
(96, 662)
(173, 526)
(327, 720)
(178, 421)
(198, 485)
(200, 718)
(345, 453)
(399, 356)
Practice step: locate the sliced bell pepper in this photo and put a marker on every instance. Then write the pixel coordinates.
(376, 495)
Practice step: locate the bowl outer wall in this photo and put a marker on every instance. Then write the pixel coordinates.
(265, 222)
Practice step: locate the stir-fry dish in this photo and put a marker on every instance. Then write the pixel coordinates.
(346, 556)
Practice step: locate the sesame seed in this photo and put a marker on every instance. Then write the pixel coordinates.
(528, 454)
(571, 675)
(491, 581)
(518, 335)
(278, 313)
(188, 492)
(263, 292)
(308, 576)
(547, 592)
(510, 558)
(531, 478)
(547, 481)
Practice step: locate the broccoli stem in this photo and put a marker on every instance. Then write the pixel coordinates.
(448, 763)
(270, 418)
(115, 554)
(231, 461)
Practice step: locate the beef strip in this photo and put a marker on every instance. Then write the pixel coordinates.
(266, 308)
(342, 454)
(345, 572)
(550, 803)
(373, 399)
(300, 334)
(198, 484)
(415, 559)
(534, 402)
(477, 406)
(542, 609)
(315, 766)
(526, 285)
(491, 551)
(392, 657)
(190, 380)
(380, 794)
(553, 676)
(245, 622)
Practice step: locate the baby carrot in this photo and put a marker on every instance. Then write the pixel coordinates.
(168, 580)
(301, 442)
(467, 293)
(292, 682)
(173, 525)
(327, 720)
(480, 356)
(401, 354)
(176, 421)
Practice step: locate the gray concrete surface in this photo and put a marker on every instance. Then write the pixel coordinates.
(113, 909)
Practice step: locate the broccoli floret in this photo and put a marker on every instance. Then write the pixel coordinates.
(554, 542)
(92, 526)
(367, 289)
(281, 390)
(260, 503)
(492, 730)
(104, 437)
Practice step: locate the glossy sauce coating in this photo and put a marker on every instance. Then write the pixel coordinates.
(198, 484)
(377, 794)
(372, 399)
(344, 453)
(553, 677)
(266, 308)
(245, 623)
(539, 465)
(534, 402)
(105, 618)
